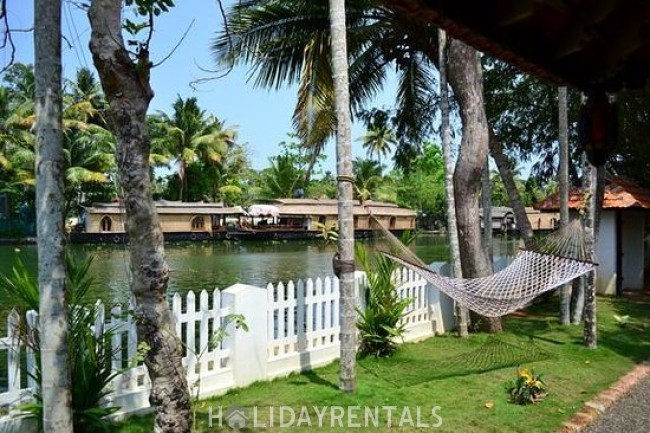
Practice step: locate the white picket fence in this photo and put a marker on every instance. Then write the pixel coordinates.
(292, 327)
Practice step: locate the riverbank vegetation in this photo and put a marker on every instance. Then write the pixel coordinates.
(472, 398)
(196, 157)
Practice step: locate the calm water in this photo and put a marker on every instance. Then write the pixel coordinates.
(221, 264)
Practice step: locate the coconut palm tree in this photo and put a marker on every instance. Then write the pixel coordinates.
(344, 263)
(87, 146)
(378, 140)
(56, 395)
(288, 42)
(282, 178)
(367, 177)
(189, 135)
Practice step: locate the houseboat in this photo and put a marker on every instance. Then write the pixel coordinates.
(297, 218)
(503, 219)
(276, 220)
(104, 222)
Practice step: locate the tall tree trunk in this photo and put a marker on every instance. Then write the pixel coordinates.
(503, 165)
(591, 186)
(348, 300)
(127, 89)
(466, 80)
(462, 314)
(563, 176)
(486, 204)
(50, 201)
(182, 174)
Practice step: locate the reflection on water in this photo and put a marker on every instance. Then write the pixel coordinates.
(198, 266)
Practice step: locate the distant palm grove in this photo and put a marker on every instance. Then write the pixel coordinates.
(195, 156)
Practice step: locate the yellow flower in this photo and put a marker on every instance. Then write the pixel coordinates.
(526, 374)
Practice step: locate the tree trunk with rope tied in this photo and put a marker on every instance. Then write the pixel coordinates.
(344, 261)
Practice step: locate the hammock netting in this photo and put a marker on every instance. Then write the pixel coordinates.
(553, 261)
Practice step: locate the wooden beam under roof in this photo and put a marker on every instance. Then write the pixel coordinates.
(588, 44)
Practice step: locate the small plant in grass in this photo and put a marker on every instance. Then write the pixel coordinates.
(526, 388)
(379, 322)
(622, 321)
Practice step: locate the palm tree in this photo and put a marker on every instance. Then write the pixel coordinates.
(563, 174)
(367, 177)
(87, 146)
(282, 178)
(53, 312)
(288, 42)
(344, 262)
(189, 135)
(378, 140)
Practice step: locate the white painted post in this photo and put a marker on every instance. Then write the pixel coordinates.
(13, 361)
(32, 323)
(190, 336)
(131, 346)
(116, 346)
(301, 320)
(248, 350)
(203, 332)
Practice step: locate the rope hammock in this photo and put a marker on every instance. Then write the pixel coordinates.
(553, 261)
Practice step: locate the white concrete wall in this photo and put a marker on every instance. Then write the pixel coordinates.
(606, 254)
(632, 234)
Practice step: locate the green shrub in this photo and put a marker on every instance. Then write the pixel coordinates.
(89, 350)
(379, 322)
(526, 388)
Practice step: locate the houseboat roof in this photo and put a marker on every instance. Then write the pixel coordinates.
(620, 193)
(170, 207)
(304, 206)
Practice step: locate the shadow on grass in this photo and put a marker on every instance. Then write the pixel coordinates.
(494, 354)
(631, 339)
(314, 378)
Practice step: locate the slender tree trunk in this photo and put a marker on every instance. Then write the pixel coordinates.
(50, 201)
(462, 314)
(182, 174)
(563, 175)
(486, 204)
(503, 165)
(348, 299)
(127, 89)
(577, 303)
(590, 185)
(466, 80)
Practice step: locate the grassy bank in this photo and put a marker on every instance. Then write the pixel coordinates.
(444, 371)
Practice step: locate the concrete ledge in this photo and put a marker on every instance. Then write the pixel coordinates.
(601, 403)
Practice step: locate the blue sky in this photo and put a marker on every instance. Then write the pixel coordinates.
(262, 117)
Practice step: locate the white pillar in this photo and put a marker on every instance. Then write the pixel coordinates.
(248, 350)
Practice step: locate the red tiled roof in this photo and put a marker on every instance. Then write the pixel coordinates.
(620, 193)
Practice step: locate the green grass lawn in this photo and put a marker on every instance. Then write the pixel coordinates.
(442, 371)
